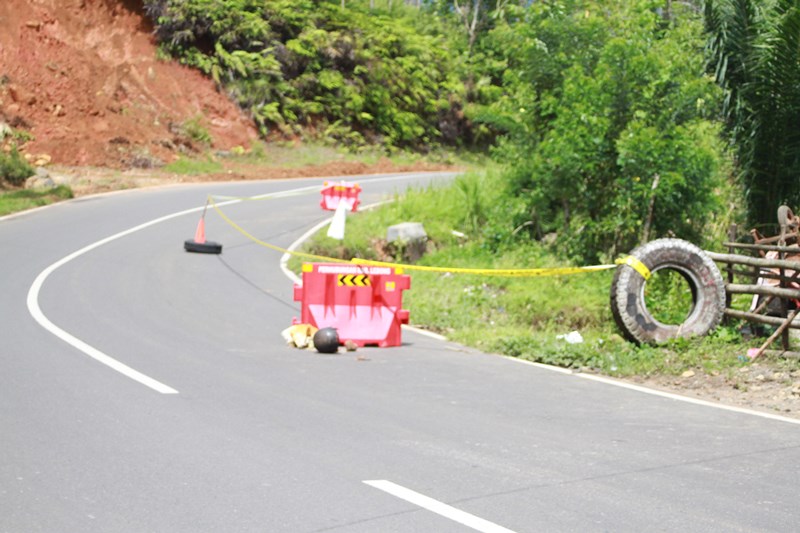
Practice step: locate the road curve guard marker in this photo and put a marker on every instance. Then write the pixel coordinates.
(343, 191)
(363, 303)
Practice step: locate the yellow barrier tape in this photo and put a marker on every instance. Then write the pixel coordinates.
(637, 265)
(399, 267)
(255, 239)
(269, 196)
(509, 272)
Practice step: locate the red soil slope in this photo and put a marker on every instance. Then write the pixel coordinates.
(83, 78)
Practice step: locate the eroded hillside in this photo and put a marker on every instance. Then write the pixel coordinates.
(82, 77)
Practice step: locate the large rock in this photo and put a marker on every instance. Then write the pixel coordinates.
(406, 232)
(41, 181)
(409, 238)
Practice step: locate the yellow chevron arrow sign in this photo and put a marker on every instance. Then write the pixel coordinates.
(354, 280)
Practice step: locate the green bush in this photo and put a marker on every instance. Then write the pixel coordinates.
(14, 170)
(196, 131)
(608, 116)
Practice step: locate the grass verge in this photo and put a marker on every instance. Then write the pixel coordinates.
(468, 225)
(186, 166)
(20, 200)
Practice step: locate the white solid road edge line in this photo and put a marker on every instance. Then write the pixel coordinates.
(435, 506)
(38, 315)
(687, 399)
(656, 392)
(291, 275)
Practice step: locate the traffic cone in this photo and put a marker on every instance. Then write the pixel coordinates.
(336, 229)
(199, 244)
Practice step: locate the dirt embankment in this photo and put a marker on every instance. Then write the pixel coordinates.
(82, 77)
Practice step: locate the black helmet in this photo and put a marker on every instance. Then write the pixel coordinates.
(326, 340)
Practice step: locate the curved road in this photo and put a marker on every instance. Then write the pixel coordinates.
(148, 389)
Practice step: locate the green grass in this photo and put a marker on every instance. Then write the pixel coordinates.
(20, 200)
(523, 317)
(194, 166)
(294, 155)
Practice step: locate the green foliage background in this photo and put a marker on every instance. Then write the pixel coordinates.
(601, 111)
(601, 106)
(754, 54)
(352, 75)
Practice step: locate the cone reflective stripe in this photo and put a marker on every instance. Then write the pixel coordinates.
(336, 229)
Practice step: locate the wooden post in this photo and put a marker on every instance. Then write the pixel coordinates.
(729, 268)
(782, 330)
(784, 302)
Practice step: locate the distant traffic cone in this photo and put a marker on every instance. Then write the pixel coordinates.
(199, 244)
(336, 229)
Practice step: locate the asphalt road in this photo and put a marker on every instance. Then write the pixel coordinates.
(144, 388)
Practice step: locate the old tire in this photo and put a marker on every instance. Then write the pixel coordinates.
(699, 271)
(207, 247)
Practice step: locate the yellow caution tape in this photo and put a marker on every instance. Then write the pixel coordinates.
(637, 265)
(509, 272)
(399, 267)
(241, 230)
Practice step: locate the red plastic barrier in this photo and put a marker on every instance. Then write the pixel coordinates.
(333, 193)
(363, 303)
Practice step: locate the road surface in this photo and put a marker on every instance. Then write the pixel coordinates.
(148, 389)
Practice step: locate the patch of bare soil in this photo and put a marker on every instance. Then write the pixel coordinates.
(768, 386)
(83, 78)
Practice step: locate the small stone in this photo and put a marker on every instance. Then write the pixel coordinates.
(350, 346)
(688, 374)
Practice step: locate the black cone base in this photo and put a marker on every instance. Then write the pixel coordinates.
(207, 247)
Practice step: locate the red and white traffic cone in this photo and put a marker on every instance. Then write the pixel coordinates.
(199, 244)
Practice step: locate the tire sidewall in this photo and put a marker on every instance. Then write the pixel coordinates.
(701, 273)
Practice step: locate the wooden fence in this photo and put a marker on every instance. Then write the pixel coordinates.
(773, 277)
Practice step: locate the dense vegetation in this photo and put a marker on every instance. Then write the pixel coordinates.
(600, 111)
(524, 317)
(755, 56)
(611, 137)
(353, 75)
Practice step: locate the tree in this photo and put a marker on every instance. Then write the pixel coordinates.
(602, 103)
(754, 51)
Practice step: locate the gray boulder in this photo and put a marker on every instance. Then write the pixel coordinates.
(40, 181)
